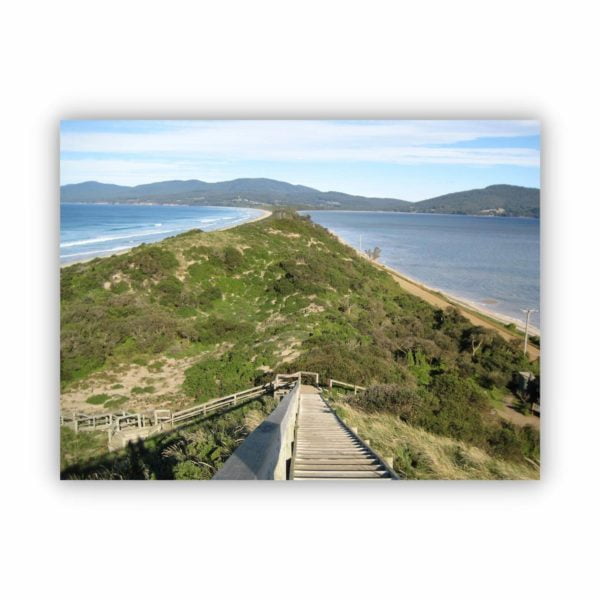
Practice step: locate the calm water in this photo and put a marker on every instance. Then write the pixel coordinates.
(493, 262)
(89, 230)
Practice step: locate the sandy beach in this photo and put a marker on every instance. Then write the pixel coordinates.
(469, 310)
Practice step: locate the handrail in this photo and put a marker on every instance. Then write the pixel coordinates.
(343, 384)
(297, 375)
(168, 419)
(282, 380)
(265, 452)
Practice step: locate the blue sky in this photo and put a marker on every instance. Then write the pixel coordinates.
(412, 160)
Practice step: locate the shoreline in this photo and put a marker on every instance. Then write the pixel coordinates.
(467, 304)
(264, 215)
(441, 299)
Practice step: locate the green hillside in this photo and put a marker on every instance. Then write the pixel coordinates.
(238, 192)
(502, 200)
(205, 314)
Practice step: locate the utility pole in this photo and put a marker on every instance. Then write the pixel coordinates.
(528, 312)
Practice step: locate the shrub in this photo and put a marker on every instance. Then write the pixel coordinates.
(217, 330)
(232, 258)
(149, 261)
(216, 377)
(169, 291)
(400, 400)
(97, 399)
(149, 389)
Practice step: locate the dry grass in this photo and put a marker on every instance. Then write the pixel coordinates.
(422, 455)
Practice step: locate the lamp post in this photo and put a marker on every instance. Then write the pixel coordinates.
(528, 312)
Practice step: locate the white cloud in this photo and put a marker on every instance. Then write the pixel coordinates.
(398, 142)
(133, 172)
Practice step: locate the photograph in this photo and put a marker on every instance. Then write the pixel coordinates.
(308, 300)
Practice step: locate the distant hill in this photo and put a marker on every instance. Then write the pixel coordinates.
(239, 192)
(507, 200)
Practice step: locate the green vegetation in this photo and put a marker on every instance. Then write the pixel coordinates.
(80, 447)
(284, 294)
(195, 452)
(454, 407)
(97, 399)
(504, 200)
(419, 454)
(149, 389)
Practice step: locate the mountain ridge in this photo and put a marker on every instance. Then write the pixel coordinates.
(498, 199)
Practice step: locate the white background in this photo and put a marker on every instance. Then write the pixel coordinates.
(310, 59)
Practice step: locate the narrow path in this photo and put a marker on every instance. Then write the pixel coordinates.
(509, 413)
(325, 449)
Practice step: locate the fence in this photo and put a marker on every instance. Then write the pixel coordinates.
(343, 384)
(121, 426)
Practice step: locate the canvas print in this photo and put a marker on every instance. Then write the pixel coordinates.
(306, 300)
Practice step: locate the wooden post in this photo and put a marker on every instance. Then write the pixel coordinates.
(390, 461)
(354, 430)
(330, 383)
(139, 420)
(368, 442)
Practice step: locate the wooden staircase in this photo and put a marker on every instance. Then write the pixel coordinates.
(326, 449)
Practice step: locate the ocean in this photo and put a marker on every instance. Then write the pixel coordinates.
(90, 230)
(491, 262)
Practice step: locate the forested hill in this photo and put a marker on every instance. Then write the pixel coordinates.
(507, 200)
(239, 192)
(202, 315)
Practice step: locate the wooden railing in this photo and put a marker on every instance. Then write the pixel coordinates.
(211, 406)
(282, 378)
(264, 454)
(159, 420)
(349, 386)
(83, 422)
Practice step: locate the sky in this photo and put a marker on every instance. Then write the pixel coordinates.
(410, 160)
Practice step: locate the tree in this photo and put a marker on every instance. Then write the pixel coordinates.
(475, 337)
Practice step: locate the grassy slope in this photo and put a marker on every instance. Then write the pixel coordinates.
(421, 455)
(230, 307)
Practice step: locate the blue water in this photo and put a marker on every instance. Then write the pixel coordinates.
(90, 230)
(493, 262)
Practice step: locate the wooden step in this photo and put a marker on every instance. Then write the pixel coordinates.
(325, 450)
(337, 468)
(341, 474)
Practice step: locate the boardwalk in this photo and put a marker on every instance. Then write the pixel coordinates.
(325, 449)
